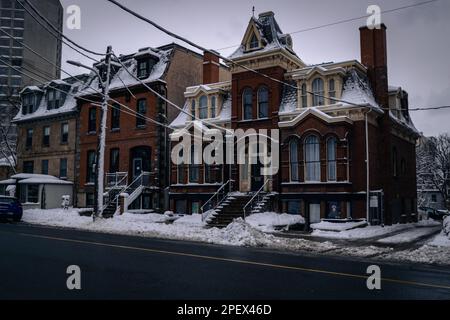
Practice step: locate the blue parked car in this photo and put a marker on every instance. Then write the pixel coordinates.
(10, 208)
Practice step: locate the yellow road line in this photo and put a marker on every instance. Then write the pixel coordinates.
(270, 265)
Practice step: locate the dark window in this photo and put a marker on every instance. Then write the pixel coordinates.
(90, 199)
(293, 160)
(54, 99)
(194, 170)
(394, 162)
(29, 139)
(141, 110)
(44, 167)
(63, 168)
(293, 207)
(180, 206)
(318, 92)
(28, 167)
(143, 69)
(92, 125)
(433, 198)
(32, 193)
(90, 174)
(181, 174)
(304, 96)
(403, 166)
(115, 117)
(28, 103)
(247, 102)
(193, 110)
(213, 107)
(46, 136)
(331, 90)
(64, 132)
(331, 159)
(114, 160)
(203, 107)
(333, 210)
(263, 102)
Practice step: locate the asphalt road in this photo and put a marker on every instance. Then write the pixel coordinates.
(34, 261)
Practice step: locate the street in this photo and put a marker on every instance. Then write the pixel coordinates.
(34, 261)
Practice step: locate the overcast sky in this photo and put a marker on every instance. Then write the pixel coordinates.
(418, 37)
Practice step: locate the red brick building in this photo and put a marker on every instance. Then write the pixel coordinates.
(136, 154)
(323, 113)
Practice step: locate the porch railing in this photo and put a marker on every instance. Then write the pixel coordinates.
(216, 199)
(257, 198)
(116, 180)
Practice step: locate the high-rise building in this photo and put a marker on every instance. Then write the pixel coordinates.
(21, 28)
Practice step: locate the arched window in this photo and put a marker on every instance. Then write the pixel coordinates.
(312, 159)
(293, 160)
(263, 103)
(331, 159)
(318, 92)
(331, 90)
(213, 107)
(247, 102)
(304, 96)
(254, 43)
(193, 109)
(203, 107)
(403, 167)
(394, 162)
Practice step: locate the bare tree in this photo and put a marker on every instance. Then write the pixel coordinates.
(7, 138)
(433, 168)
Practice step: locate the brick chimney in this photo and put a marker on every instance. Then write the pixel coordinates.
(374, 57)
(211, 66)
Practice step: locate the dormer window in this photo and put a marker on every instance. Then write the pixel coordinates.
(254, 43)
(28, 103)
(203, 107)
(54, 99)
(143, 69)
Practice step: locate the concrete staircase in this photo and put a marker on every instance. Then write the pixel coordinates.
(233, 207)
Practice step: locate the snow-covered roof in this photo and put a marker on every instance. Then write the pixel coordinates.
(8, 182)
(401, 120)
(31, 178)
(224, 115)
(68, 106)
(271, 35)
(123, 77)
(357, 90)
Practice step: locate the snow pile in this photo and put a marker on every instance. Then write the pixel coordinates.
(269, 221)
(242, 234)
(425, 254)
(412, 235)
(193, 220)
(446, 227)
(362, 233)
(341, 226)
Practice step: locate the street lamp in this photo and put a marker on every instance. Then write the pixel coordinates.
(100, 167)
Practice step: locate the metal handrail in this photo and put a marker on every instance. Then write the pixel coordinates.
(257, 194)
(116, 175)
(216, 195)
(123, 190)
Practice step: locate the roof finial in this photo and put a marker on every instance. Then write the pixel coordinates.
(253, 11)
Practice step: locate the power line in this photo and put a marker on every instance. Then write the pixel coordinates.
(344, 21)
(56, 29)
(193, 44)
(53, 34)
(93, 102)
(167, 100)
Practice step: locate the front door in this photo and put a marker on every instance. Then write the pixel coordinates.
(137, 167)
(257, 179)
(314, 212)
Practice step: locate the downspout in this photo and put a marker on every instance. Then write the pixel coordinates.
(367, 165)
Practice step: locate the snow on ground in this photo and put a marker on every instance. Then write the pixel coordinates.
(269, 221)
(238, 233)
(441, 240)
(341, 226)
(410, 235)
(362, 233)
(189, 228)
(446, 227)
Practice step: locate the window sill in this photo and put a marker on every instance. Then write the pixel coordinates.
(315, 183)
(115, 130)
(64, 143)
(253, 120)
(91, 133)
(141, 127)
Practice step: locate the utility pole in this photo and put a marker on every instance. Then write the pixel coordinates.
(100, 163)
